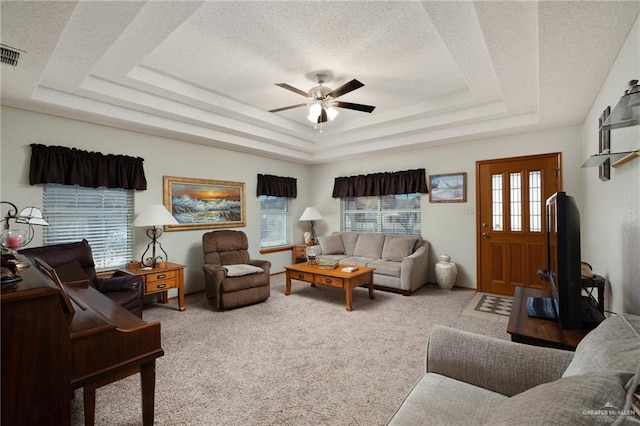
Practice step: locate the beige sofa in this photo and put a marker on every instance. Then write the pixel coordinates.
(478, 380)
(400, 261)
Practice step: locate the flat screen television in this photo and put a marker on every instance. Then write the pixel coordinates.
(563, 266)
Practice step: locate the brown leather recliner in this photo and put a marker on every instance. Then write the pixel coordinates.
(226, 254)
(74, 262)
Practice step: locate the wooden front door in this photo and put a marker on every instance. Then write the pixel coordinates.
(511, 238)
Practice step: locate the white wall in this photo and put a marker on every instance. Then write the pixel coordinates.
(163, 157)
(611, 213)
(445, 225)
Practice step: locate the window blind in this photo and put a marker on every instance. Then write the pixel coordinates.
(275, 225)
(102, 216)
(389, 214)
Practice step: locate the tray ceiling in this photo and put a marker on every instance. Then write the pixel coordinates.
(204, 72)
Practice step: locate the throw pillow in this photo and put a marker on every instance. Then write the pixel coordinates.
(591, 398)
(396, 249)
(369, 245)
(613, 345)
(242, 269)
(331, 244)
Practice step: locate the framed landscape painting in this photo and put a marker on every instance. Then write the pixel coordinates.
(204, 203)
(448, 188)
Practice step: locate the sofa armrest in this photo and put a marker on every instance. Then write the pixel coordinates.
(214, 271)
(118, 283)
(264, 264)
(498, 365)
(414, 271)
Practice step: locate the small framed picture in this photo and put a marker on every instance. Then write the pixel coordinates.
(448, 188)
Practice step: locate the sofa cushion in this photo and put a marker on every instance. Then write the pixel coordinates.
(331, 244)
(336, 257)
(369, 245)
(386, 267)
(613, 345)
(349, 239)
(439, 400)
(356, 260)
(396, 249)
(577, 400)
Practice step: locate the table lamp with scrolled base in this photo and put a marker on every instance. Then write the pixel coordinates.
(154, 216)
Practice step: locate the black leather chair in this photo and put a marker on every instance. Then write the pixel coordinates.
(74, 262)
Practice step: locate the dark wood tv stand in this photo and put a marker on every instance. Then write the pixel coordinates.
(536, 331)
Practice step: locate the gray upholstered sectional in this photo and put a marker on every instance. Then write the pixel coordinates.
(400, 261)
(477, 380)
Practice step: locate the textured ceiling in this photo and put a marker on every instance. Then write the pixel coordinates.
(205, 72)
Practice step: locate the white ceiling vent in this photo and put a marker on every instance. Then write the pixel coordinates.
(9, 55)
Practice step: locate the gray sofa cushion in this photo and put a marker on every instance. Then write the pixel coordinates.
(613, 345)
(369, 245)
(355, 260)
(349, 239)
(396, 249)
(439, 400)
(386, 267)
(567, 401)
(331, 244)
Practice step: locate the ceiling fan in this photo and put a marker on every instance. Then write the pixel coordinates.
(323, 100)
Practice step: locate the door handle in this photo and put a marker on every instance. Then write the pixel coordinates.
(484, 234)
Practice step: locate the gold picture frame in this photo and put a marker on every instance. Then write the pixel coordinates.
(204, 203)
(448, 188)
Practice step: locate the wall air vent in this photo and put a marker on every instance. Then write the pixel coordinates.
(9, 55)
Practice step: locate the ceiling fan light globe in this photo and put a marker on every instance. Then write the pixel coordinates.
(314, 112)
(332, 113)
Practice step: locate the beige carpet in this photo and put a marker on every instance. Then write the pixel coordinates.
(293, 360)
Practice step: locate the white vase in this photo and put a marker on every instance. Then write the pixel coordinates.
(446, 272)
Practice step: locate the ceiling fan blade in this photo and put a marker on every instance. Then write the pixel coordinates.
(357, 107)
(345, 88)
(322, 118)
(293, 89)
(287, 107)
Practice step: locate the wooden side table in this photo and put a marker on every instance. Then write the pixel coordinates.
(299, 253)
(161, 280)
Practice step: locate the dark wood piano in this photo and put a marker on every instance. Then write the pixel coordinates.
(58, 338)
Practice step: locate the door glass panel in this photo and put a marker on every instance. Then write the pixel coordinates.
(516, 201)
(535, 201)
(496, 202)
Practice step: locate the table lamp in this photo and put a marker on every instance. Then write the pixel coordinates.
(311, 214)
(14, 239)
(154, 215)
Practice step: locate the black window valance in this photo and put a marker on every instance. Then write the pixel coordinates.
(277, 186)
(404, 182)
(71, 166)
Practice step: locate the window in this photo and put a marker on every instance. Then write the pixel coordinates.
(389, 214)
(275, 221)
(102, 216)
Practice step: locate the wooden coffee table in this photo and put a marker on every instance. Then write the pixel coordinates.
(331, 278)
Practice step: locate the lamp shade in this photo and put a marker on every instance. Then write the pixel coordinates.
(311, 213)
(32, 216)
(155, 215)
